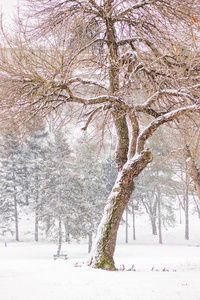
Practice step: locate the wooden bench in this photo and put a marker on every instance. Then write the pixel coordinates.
(64, 256)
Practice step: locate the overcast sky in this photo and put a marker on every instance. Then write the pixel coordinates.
(7, 5)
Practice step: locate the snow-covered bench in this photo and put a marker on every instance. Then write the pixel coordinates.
(64, 256)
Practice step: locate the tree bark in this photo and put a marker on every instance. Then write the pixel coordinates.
(104, 247)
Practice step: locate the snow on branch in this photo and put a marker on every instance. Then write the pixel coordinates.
(90, 101)
(90, 118)
(149, 130)
(85, 82)
(172, 92)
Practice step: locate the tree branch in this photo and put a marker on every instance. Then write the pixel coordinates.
(77, 79)
(149, 130)
(135, 6)
(92, 113)
(88, 46)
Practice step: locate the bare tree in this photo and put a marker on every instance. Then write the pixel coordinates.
(113, 62)
(187, 156)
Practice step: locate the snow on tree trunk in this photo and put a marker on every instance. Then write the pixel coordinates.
(104, 246)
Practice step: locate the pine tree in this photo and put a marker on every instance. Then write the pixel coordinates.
(109, 173)
(94, 187)
(34, 172)
(11, 182)
(61, 203)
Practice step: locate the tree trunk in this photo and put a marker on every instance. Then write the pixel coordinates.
(159, 217)
(16, 219)
(153, 225)
(36, 220)
(186, 209)
(59, 236)
(133, 212)
(36, 226)
(67, 237)
(104, 247)
(197, 205)
(90, 242)
(194, 172)
(126, 224)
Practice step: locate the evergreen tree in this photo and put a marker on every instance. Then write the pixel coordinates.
(109, 173)
(61, 203)
(94, 187)
(11, 182)
(35, 172)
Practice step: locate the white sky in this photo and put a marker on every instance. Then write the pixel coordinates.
(7, 5)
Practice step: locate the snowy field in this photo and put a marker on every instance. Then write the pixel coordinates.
(162, 272)
(29, 272)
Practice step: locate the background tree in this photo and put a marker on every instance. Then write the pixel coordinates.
(61, 202)
(94, 189)
(11, 182)
(155, 187)
(34, 173)
(109, 173)
(148, 65)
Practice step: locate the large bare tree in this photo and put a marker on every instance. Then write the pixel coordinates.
(131, 65)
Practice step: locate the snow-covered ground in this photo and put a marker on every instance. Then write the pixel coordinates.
(28, 272)
(165, 272)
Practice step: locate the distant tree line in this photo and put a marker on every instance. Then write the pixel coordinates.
(65, 188)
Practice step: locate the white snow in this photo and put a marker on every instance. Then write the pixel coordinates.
(28, 271)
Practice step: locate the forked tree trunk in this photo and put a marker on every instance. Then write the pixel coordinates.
(104, 247)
